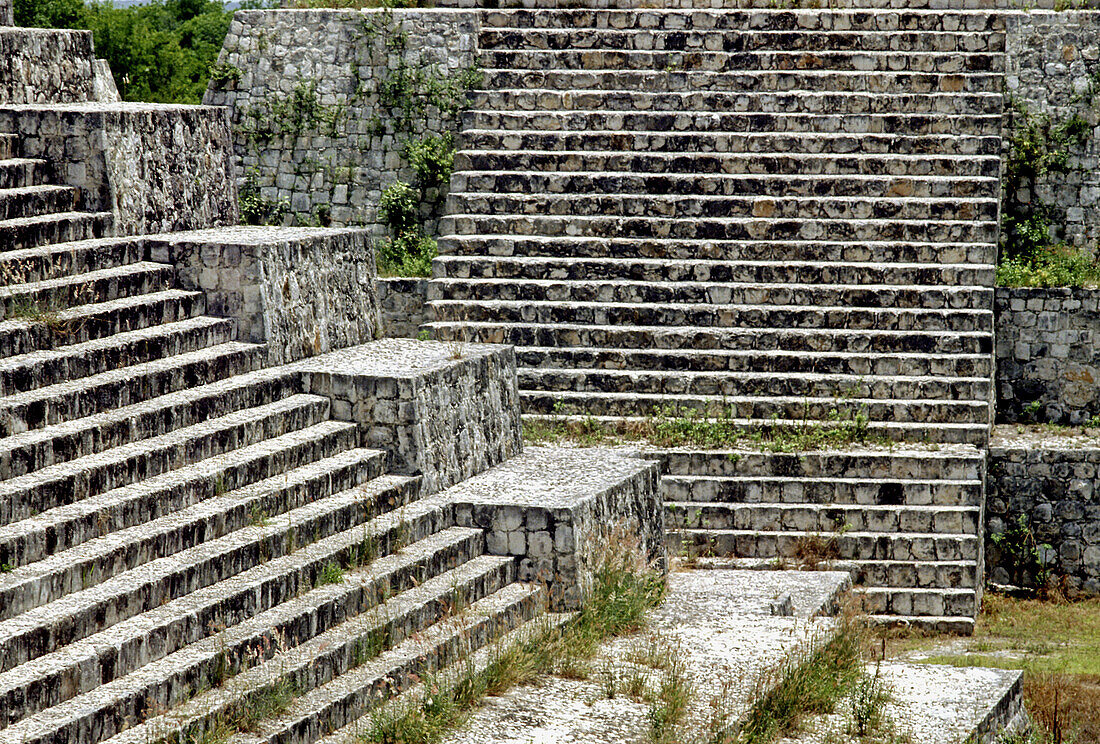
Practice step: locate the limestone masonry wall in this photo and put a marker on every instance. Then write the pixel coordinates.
(45, 65)
(6, 16)
(158, 168)
(310, 131)
(1048, 355)
(1056, 486)
(402, 301)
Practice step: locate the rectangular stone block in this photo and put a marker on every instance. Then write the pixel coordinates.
(445, 412)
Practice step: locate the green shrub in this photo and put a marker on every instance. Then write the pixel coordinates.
(1054, 266)
(399, 208)
(432, 159)
(408, 254)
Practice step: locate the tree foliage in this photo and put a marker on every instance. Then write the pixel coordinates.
(161, 51)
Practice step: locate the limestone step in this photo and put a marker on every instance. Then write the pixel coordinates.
(768, 362)
(916, 602)
(821, 490)
(93, 562)
(9, 146)
(714, 316)
(832, 518)
(67, 259)
(100, 320)
(329, 447)
(78, 398)
(721, 228)
(620, 291)
(712, 206)
(782, 271)
(39, 368)
(410, 622)
(617, 249)
(859, 60)
(734, 163)
(845, 545)
(610, 109)
(37, 299)
(677, 117)
(16, 172)
(85, 477)
(737, 385)
(58, 617)
(743, 80)
(960, 625)
(706, 339)
(33, 201)
(796, 21)
(685, 35)
(716, 184)
(917, 574)
(59, 227)
(803, 142)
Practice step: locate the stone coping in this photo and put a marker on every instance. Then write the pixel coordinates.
(1039, 437)
(401, 358)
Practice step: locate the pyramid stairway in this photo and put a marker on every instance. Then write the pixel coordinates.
(782, 216)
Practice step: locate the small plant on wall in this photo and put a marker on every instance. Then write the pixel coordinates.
(407, 251)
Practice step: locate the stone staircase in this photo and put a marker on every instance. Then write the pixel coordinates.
(776, 216)
(187, 533)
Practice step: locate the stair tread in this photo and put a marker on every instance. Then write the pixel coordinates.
(53, 217)
(121, 303)
(142, 267)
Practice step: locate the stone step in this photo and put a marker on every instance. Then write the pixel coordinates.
(676, 116)
(823, 490)
(68, 259)
(774, 81)
(410, 622)
(93, 562)
(59, 227)
(737, 385)
(832, 518)
(702, 270)
(34, 201)
(728, 228)
(715, 184)
(796, 21)
(917, 574)
(713, 316)
(76, 399)
(9, 146)
(100, 320)
(926, 415)
(621, 291)
(39, 368)
(329, 627)
(16, 172)
(859, 60)
(37, 300)
(86, 477)
(693, 338)
(794, 164)
(760, 362)
(55, 621)
(912, 602)
(667, 250)
(842, 545)
(948, 462)
(65, 527)
(716, 36)
(709, 206)
(798, 142)
(611, 109)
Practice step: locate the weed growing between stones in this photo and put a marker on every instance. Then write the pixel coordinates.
(330, 573)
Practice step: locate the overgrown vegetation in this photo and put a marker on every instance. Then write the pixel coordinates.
(1022, 555)
(160, 51)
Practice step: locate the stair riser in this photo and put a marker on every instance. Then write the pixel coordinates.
(917, 575)
(53, 262)
(37, 373)
(732, 272)
(843, 547)
(67, 488)
(33, 204)
(21, 304)
(171, 539)
(22, 173)
(645, 383)
(9, 146)
(157, 500)
(689, 113)
(773, 518)
(33, 235)
(30, 337)
(88, 401)
(880, 601)
(719, 207)
(824, 492)
(933, 466)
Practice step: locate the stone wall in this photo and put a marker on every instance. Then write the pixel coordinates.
(1048, 355)
(1053, 67)
(402, 302)
(6, 17)
(302, 291)
(46, 66)
(1055, 484)
(157, 168)
(310, 129)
